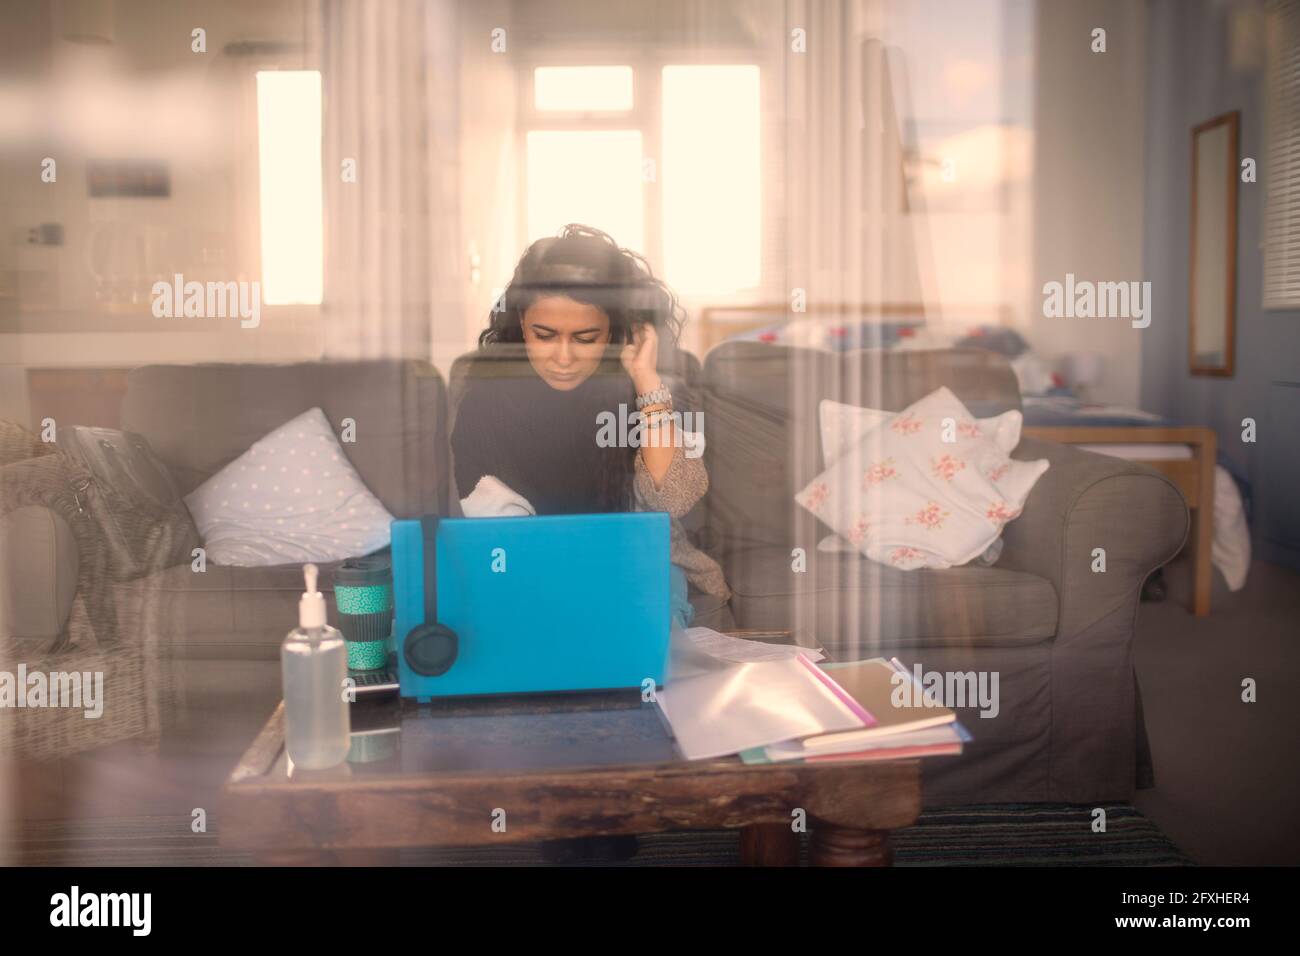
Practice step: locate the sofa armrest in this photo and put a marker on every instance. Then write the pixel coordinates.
(1139, 518)
(1087, 501)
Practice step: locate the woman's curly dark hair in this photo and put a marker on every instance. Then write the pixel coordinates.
(588, 266)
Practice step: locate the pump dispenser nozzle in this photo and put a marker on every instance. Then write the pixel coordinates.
(311, 606)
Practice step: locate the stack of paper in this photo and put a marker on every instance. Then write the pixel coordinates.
(740, 706)
(770, 703)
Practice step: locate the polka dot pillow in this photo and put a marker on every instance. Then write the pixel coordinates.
(291, 498)
(930, 487)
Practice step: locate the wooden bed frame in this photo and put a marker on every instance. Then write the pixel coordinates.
(719, 322)
(1194, 477)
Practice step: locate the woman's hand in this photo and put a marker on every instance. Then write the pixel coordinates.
(639, 358)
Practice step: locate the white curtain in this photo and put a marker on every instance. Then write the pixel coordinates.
(392, 264)
(850, 245)
(850, 238)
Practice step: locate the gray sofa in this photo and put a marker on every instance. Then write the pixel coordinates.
(1059, 636)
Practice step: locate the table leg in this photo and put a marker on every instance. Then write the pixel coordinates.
(769, 844)
(834, 845)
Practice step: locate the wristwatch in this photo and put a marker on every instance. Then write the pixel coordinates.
(660, 396)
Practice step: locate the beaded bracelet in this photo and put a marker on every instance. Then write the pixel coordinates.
(656, 419)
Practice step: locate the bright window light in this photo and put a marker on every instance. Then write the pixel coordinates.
(289, 162)
(592, 177)
(710, 176)
(582, 88)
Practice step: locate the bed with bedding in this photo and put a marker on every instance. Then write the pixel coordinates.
(1216, 491)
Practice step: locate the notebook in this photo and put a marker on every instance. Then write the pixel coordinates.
(945, 739)
(878, 688)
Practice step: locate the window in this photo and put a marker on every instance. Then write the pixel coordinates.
(664, 157)
(582, 88)
(1282, 155)
(711, 194)
(289, 172)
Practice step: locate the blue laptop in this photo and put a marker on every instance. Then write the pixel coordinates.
(525, 605)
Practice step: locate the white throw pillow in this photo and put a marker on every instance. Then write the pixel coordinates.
(903, 496)
(842, 426)
(292, 497)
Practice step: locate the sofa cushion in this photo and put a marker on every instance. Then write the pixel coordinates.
(221, 613)
(929, 489)
(855, 607)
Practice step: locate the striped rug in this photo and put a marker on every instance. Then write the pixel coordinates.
(993, 835)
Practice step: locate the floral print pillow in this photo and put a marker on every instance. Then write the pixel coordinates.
(930, 487)
(843, 426)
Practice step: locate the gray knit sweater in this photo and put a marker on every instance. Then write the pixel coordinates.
(684, 484)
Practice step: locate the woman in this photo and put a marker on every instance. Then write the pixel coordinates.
(588, 316)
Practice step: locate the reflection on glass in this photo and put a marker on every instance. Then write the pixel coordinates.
(289, 158)
(582, 88)
(710, 175)
(592, 177)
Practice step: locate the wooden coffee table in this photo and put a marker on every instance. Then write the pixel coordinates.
(520, 769)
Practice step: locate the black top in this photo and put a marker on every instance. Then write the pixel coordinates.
(540, 441)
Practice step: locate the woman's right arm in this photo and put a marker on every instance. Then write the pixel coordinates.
(683, 484)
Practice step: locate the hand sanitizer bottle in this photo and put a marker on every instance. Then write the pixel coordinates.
(313, 667)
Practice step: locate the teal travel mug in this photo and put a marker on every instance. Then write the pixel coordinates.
(363, 594)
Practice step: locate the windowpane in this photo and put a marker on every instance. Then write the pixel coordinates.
(582, 88)
(710, 177)
(591, 177)
(289, 157)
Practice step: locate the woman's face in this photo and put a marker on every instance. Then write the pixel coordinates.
(565, 340)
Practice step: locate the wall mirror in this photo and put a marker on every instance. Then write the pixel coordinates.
(1213, 292)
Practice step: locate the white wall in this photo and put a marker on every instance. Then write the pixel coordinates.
(1089, 178)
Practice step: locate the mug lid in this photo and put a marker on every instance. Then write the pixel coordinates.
(366, 571)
